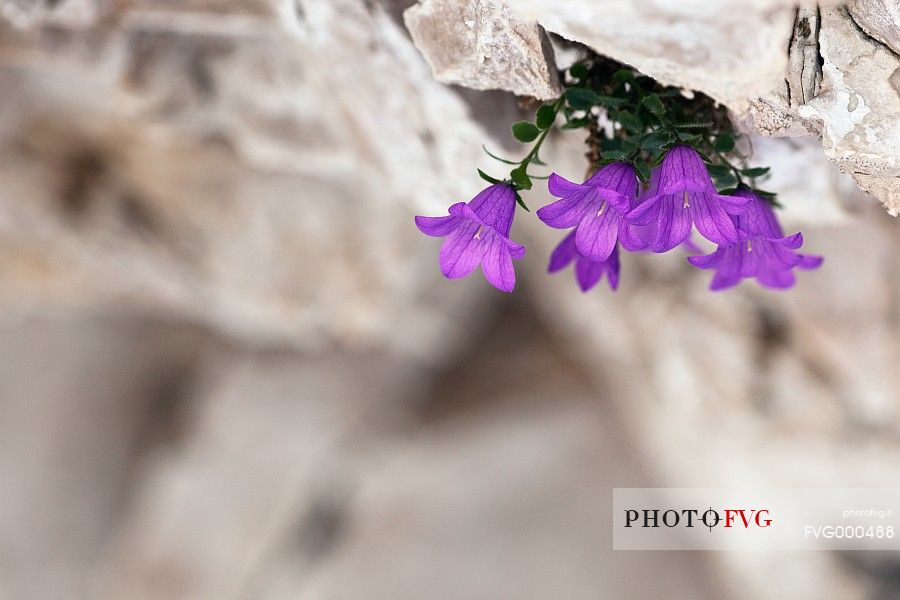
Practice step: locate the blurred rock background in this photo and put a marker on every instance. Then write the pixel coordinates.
(231, 369)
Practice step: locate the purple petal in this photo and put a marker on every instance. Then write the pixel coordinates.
(674, 224)
(588, 273)
(645, 213)
(758, 218)
(775, 256)
(497, 265)
(596, 234)
(630, 238)
(729, 272)
(809, 261)
(683, 170)
(653, 188)
(496, 207)
(711, 220)
(620, 202)
(516, 250)
(563, 254)
(567, 212)
(734, 205)
(708, 261)
(462, 250)
(751, 260)
(778, 279)
(612, 270)
(437, 226)
(464, 211)
(792, 241)
(561, 187)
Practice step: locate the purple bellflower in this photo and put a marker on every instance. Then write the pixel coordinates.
(763, 252)
(477, 233)
(648, 232)
(597, 209)
(587, 272)
(684, 195)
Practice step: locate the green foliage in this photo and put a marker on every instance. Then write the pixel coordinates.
(525, 131)
(520, 178)
(648, 120)
(545, 117)
(487, 177)
(581, 98)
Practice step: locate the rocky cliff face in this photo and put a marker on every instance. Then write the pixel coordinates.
(783, 70)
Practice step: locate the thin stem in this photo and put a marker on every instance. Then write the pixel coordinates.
(537, 144)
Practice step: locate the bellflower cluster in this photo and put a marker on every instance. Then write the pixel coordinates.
(763, 251)
(668, 165)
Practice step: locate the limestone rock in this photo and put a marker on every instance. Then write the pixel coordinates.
(690, 44)
(879, 18)
(859, 105)
(482, 46)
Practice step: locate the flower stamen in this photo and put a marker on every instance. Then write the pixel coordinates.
(478, 233)
(602, 210)
(686, 201)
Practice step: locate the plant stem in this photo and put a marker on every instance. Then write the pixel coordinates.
(537, 144)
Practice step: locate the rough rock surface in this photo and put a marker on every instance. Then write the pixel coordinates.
(879, 18)
(481, 45)
(836, 78)
(689, 44)
(859, 105)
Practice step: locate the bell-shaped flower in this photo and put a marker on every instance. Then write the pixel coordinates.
(684, 196)
(587, 272)
(596, 209)
(477, 233)
(763, 251)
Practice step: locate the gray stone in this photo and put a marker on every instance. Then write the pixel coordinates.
(482, 46)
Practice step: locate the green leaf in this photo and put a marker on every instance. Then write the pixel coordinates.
(525, 131)
(770, 197)
(577, 123)
(655, 141)
(520, 178)
(581, 98)
(654, 104)
(643, 171)
(693, 125)
(614, 155)
(727, 181)
(718, 170)
(756, 171)
(724, 143)
(629, 146)
(578, 70)
(545, 116)
(610, 101)
(624, 76)
(487, 177)
(629, 121)
(607, 144)
(690, 138)
(521, 202)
